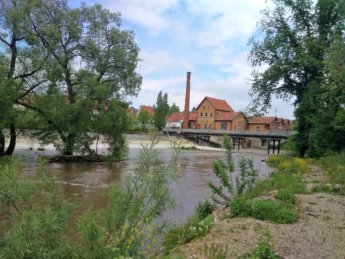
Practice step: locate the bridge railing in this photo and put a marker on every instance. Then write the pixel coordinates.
(234, 132)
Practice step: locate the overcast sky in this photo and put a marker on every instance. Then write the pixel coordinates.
(206, 37)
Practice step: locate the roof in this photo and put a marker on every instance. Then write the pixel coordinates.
(178, 116)
(218, 104)
(262, 120)
(227, 116)
(193, 116)
(147, 108)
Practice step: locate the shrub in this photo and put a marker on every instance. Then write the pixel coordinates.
(273, 211)
(264, 210)
(264, 249)
(214, 252)
(231, 186)
(334, 164)
(129, 222)
(204, 209)
(183, 234)
(286, 196)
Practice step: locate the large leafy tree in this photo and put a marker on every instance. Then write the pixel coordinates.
(89, 72)
(20, 67)
(161, 110)
(294, 40)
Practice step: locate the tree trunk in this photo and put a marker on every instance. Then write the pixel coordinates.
(69, 144)
(13, 140)
(2, 143)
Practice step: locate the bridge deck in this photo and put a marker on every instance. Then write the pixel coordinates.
(231, 133)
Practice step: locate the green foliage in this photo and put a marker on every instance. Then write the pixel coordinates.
(86, 65)
(213, 252)
(296, 42)
(334, 165)
(34, 215)
(161, 110)
(204, 209)
(273, 211)
(185, 233)
(288, 175)
(144, 118)
(286, 196)
(129, 222)
(264, 249)
(231, 186)
(174, 108)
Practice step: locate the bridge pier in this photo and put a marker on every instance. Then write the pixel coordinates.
(274, 146)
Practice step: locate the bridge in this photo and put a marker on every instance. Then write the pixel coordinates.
(205, 134)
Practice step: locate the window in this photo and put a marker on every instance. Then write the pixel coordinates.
(210, 114)
(223, 125)
(205, 126)
(205, 114)
(203, 107)
(200, 114)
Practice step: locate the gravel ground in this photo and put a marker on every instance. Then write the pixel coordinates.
(319, 232)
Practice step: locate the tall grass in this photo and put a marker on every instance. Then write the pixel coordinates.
(334, 165)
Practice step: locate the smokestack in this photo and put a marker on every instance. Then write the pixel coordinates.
(186, 103)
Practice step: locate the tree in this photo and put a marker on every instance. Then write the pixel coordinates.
(296, 37)
(90, 69)
(20, 67)
(144, 118)
(161, 110)
(174, 108)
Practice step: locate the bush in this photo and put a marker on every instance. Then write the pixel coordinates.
(264, 249)
(214, 252)
(273, 211)
(204, 209)
(334, 164)
(229, 187)
(286, 196)
(183, 234)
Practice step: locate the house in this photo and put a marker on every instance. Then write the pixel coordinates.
(175, 120)
(208, 110)
(147, 108)
(235, 121)
(265, 124)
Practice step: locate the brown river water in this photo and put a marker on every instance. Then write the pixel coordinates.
(88, 181)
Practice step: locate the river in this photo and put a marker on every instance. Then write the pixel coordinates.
(88, 181)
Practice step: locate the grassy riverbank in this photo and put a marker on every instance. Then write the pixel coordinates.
(297, 213)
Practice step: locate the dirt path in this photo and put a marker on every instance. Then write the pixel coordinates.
(319, 232)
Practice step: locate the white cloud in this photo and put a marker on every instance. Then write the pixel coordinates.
(148, 14)
(154, 60)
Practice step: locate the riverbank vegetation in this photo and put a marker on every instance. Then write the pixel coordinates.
(288, 201)
(34, 215)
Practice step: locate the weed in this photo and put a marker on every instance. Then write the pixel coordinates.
(264, 248)
(183, 234)
(204, 209)
(334, 164)
(231, 186)
(286, 196)
(274, 211)
(213, 252)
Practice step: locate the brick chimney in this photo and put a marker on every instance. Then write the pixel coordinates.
(186, 103)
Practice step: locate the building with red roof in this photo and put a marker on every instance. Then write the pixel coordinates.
(262, 124)
(147, 108)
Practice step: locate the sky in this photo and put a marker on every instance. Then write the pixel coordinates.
(205, 37)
